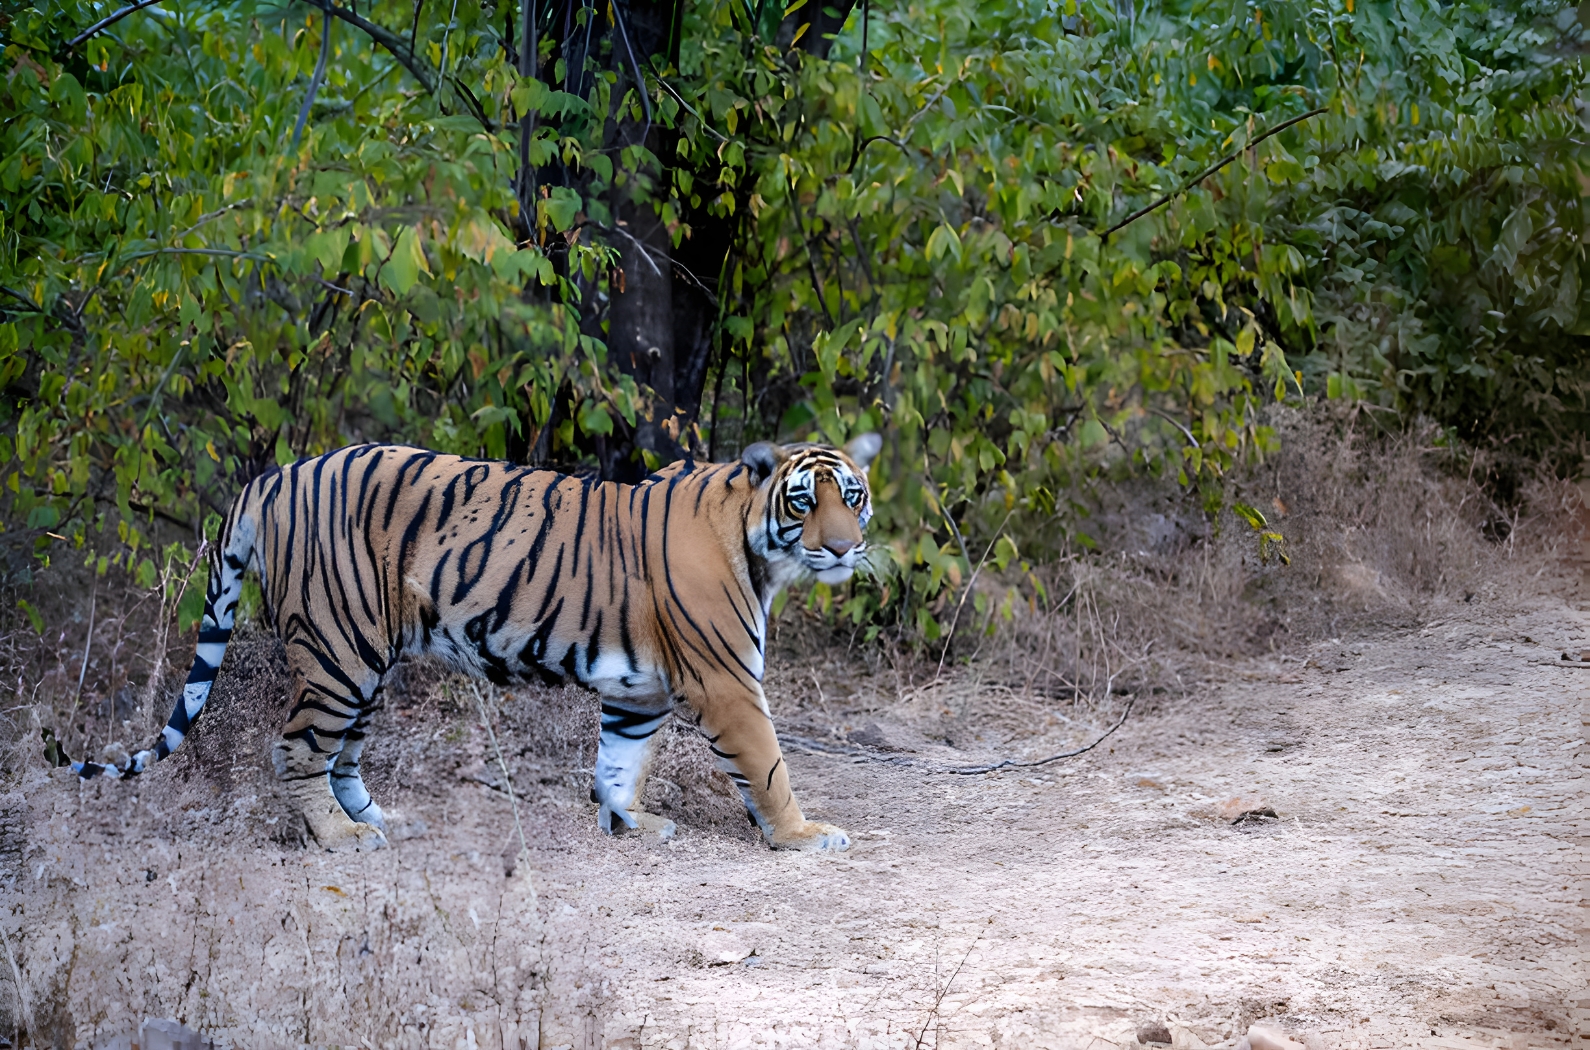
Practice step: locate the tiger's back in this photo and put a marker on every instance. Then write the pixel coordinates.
(501, 570)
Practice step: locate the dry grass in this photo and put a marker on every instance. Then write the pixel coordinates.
(1381, 529)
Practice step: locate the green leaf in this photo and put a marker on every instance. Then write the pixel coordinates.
(1256, 521)
(943, 240)
(407, 261)
(528, 94)
(594, 419)
(33, 615)
(328, 248)
(559, 209)
(190, 609)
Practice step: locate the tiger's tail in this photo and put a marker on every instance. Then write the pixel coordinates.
(228, 559)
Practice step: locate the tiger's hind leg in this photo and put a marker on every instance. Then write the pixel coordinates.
(346, 782)
(623, 758)
(323, 718)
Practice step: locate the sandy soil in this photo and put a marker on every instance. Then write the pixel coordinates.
(1420, 885)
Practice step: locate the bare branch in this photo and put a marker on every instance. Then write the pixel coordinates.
(386, 38)
(314, 81)
(1201, 176)
(109, 20)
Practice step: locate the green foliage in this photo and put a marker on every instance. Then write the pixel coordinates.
(190, 298)
(942, 243)
(921, 244)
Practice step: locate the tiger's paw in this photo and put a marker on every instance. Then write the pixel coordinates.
(813, 837)
(344, 835)
(614, 821)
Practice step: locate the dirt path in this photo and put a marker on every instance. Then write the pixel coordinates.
(1420, 887)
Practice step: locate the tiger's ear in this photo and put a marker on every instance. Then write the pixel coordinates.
(763, 458)
(864, 448)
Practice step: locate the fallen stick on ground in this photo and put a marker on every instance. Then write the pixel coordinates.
(868, 754)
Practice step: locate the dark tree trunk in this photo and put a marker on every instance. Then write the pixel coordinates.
(662, 315)
(640, 319)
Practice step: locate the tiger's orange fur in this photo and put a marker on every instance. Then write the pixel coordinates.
(649, 594)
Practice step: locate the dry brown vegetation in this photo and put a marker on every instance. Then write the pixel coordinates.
(1389, 538)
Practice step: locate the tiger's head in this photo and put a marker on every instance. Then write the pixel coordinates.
(817, 505)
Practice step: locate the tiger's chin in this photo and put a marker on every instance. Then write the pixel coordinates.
(834, 574)
(825, 568)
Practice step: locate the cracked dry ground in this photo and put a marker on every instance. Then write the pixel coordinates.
(1421, 886)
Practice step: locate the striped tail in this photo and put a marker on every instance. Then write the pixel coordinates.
(228, 560)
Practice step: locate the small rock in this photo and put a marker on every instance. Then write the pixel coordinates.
(161, 1034)
(1153, 1032)
(1147, 780)
(1260, 1038)
(875, 736)
(655, 827)
(724, 948)
(1245, 808)
(398, 829)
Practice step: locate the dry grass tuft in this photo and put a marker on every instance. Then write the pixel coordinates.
(1382, 531)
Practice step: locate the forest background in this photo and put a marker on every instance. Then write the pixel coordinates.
(1042, 247)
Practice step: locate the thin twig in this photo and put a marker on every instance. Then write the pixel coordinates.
(927, 105)
(851, 751)
(507, 780)
(861, 146)
(452, 16)
(392, 42)
(315, 80)
(1011, 763)
(634, 65)
(708, 128)
(224, 253)
(1177, 424)
(206, 217)
(339, 289)
(949, 637)
(644, 252)
(1201, 176)
(684, 271)
(88, 642)
(938, 1000)
(13, 293)
(109, 20)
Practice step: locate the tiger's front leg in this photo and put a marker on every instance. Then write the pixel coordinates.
(739, 730)
(623, 758)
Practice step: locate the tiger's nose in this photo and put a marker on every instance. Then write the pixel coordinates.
(839, 548)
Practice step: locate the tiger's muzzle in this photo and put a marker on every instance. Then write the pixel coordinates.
(831, 542)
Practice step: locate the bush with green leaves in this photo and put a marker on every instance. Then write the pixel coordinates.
(1039, 245)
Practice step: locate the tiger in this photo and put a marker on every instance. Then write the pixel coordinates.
(656, 596)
